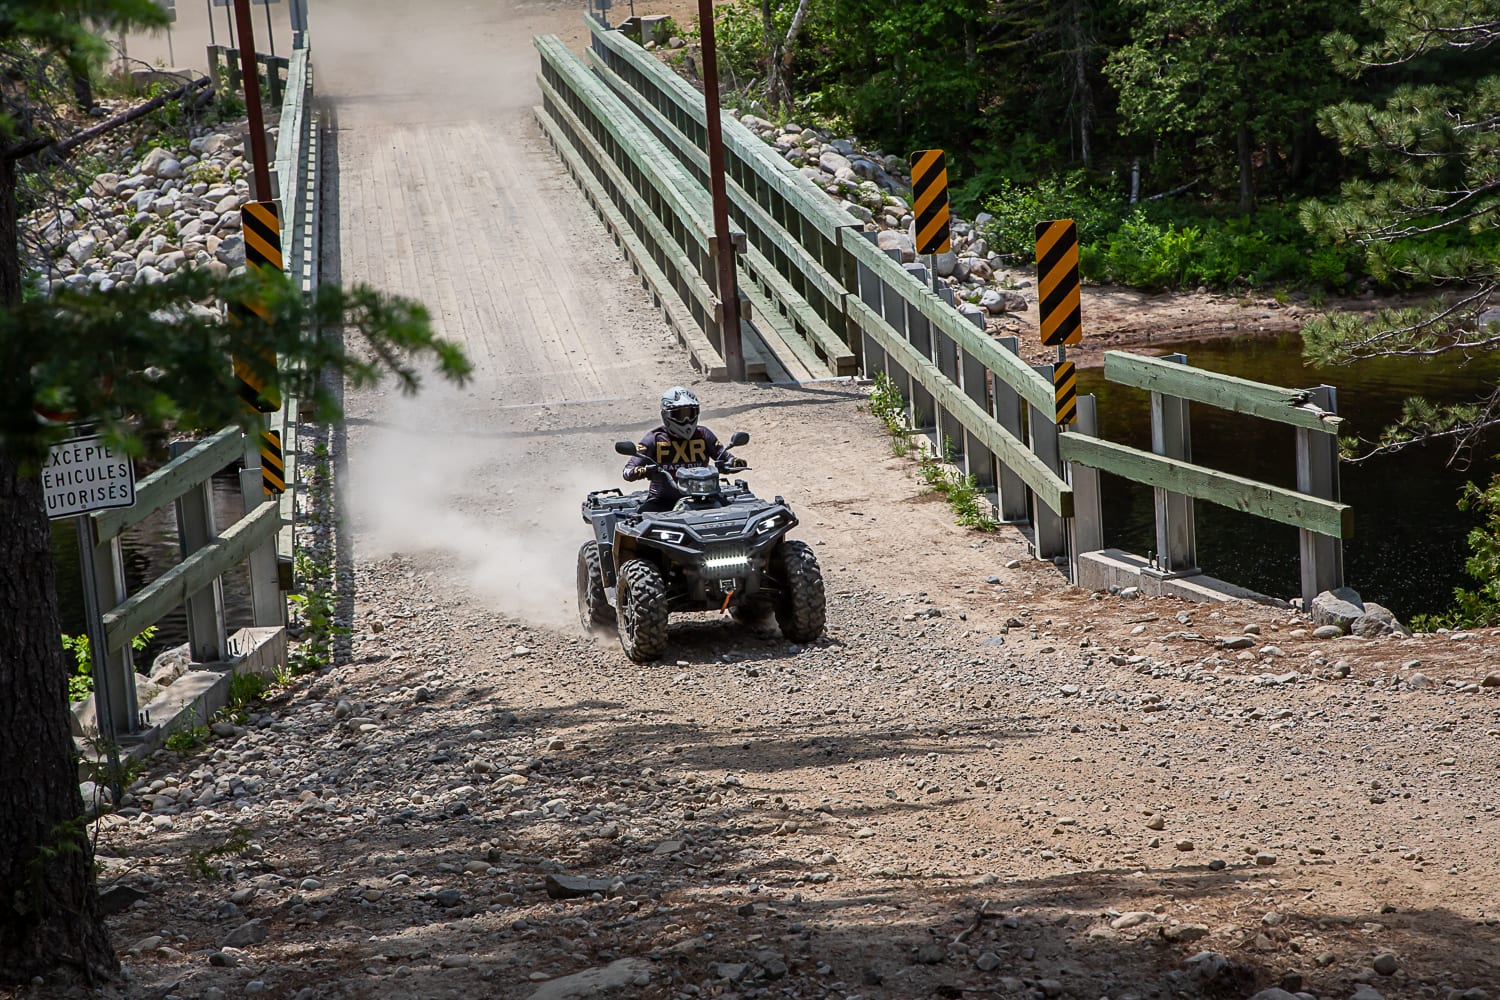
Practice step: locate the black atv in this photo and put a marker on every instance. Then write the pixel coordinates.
(719, 549)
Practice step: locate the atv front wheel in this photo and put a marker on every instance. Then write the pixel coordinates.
(642, 597)
(799, 607)
(594, 610)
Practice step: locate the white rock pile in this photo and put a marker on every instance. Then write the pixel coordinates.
(173, 209)
(874, 188)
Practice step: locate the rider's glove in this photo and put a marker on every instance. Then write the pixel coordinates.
(634, 472)
(736, 464)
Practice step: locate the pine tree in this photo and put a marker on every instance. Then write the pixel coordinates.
(1429, 214)
(132, 361)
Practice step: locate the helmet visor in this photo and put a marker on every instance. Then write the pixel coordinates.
(681, 414)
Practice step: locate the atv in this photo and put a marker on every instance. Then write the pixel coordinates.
(720, 548)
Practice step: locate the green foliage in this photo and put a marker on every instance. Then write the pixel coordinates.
(202, 863)
(1480, 607)
(969, 508)
(314, 602)
(136, 359)
(1426, 211)
(246, 687)
(889, 407)
(187, 738)
(81, 681)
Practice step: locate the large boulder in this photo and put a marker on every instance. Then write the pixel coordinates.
(1341, 607)
(891, 239)
(1377, 621)
(832, 162)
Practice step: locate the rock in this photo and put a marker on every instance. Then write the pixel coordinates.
(169, 168)
(1364, 992)
(992, 301)
(1265, 859)
(1236, 642)
(1184, 845)
(892, 239)
(448, 898)
(1341, 607)
(119, 898)
(831, 162)
(231, 251)
(1490, 681)
(1157, 822)
(1327, 632)
(1132, 919)
(1377, 621)
(575, 886)
(945, 263)
(1186, 932)
(860, 212)
(987, 962)
(223, 960)
(150, 275)
(732, 971)
(248, 933)
(1385, 963)
(596, 982)
(973, 313)
(151, 163)
(145, 944)
(82, 248)
(1418, 682)
(929, 954)
(1274, 993)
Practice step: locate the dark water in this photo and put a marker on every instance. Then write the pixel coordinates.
(1408, 547)
(150, 549)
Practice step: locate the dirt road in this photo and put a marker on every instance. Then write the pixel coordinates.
(981, 783)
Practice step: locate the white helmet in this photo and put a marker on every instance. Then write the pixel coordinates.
(679, 412)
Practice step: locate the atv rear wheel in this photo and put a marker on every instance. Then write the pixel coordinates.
(642, 597)
(594, 609)
(799, 607)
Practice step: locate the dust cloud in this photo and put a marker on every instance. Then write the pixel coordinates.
(480, 496)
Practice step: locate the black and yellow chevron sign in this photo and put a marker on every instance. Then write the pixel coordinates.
(260, 223)
(272, 465)
(1065, 391)
(929, 191)
(1057, 282)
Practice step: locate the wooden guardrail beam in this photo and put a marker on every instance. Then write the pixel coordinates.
(171, 481)
(739, 140)
(1324, 517)
(688, 202)
(703, 353)
(1006, 366)
(1046, 484)
(148, 606)
(1256, 399)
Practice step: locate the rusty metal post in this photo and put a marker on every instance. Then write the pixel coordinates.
(734, 356)
(260, 162)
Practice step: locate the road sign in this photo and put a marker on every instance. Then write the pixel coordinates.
(929, 191)
(84, 474)
(260, 223)
(1057, 282)
(272, 466)
(1065, 390)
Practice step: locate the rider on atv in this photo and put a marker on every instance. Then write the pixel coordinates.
(678, 443)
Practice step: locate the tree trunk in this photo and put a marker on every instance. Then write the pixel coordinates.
(50, 919)
(10, 238)
(1082, 92)
(1247, 188)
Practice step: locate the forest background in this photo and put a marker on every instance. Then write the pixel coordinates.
(1195, 141)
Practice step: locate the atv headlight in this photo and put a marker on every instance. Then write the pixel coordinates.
(768, 523)
(667, 535)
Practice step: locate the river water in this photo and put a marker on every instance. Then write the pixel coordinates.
(1408, 547)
